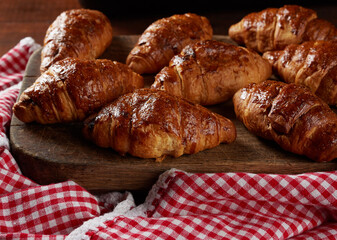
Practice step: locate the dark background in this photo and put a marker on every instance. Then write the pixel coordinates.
(21, 18)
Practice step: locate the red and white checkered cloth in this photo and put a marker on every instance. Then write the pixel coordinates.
(180, 205)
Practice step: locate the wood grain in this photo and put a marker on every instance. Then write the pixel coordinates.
(54, 153)
(22, 18)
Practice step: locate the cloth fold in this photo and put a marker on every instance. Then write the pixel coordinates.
(180, 204)
(226, 206)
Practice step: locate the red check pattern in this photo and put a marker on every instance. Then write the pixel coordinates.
(28, 210)
(180, 205)
(14, 63)
(229, 206)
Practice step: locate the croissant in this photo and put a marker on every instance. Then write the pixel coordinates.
(152, 124)
(291, 115)
(78, 33)
(209, 72)
(275, 28)
(71, 89)
(165, 38)
(312, 63)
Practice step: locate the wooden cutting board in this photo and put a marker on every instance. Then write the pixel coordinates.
(58, 152)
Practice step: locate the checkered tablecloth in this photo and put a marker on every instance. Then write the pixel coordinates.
(180, 205)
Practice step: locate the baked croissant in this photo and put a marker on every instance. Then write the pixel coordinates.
(275, 28)
(209, 72)
(72, 89)
(165, 38)
(152, 124)
(78, 33)
(312, 63)
(291, 115)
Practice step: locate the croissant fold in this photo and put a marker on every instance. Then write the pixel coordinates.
(209, 72)
(291, 115)
(165, 38)
(71, 89)
(312, 63)
(152, 124)
(78, 33)
(275, 28)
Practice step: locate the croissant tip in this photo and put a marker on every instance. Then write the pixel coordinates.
(139, 65)
(20, 111)
(160, 159)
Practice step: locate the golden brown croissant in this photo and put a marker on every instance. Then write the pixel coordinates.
(312, 63)
(275, 28)
(209, 72)
(71, 89)
(165, 38)
(78, 33)
(291, 115)
(152, 124)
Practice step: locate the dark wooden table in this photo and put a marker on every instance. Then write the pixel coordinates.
(21, 18)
